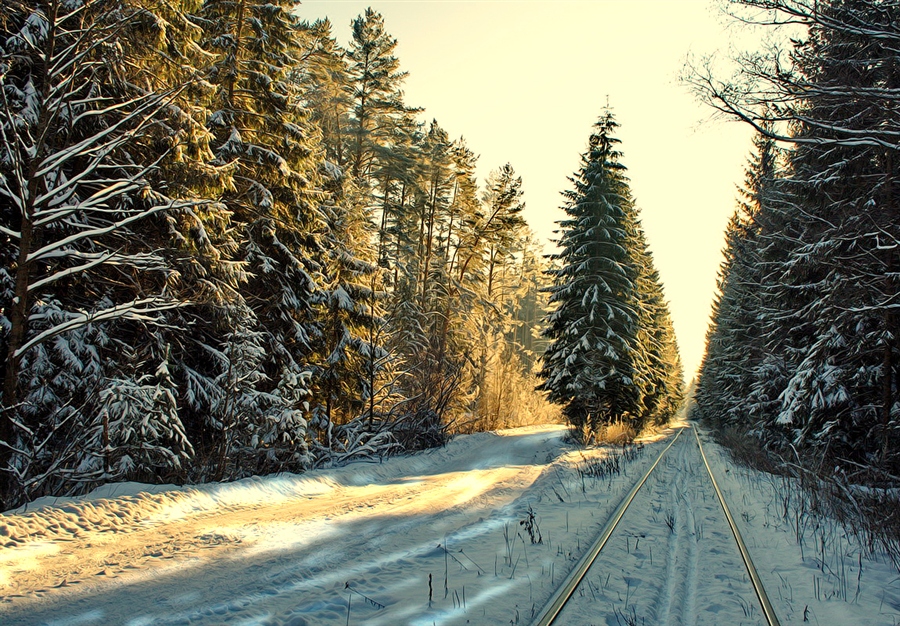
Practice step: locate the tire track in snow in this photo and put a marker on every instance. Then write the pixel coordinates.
(677, 574)
(693, 560)
(678, 601)
(287, 561)
(101, 541)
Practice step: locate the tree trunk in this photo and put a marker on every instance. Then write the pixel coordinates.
(18, 318)
(400, 211)
(887, 390)
(370, 365)
(382, 229)
(492, 262)
(429, 237)
(29, 240)
(887, 363)
(239, 29)
(361, 115)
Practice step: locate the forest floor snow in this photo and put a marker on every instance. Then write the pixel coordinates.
(481, 531)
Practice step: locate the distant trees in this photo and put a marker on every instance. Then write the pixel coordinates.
(803, 350)
(612, 354)
(735, 340)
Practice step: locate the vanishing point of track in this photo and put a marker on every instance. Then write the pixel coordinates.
(564, 593)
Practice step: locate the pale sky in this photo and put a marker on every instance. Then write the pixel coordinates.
(523, 82)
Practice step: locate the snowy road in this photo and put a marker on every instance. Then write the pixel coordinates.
(481, 531)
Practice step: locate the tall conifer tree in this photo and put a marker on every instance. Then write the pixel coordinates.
(609, 331)
(376, 92)
(588, 367)
(263, 137)
(735, 341)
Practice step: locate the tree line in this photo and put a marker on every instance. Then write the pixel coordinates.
(802, 349)
(229, 247)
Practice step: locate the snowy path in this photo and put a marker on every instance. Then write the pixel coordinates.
(482, 531)
(245, 559)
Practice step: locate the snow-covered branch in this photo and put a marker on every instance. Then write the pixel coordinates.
(134, 310)
(785, 101)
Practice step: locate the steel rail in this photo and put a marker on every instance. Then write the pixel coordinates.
(556, 603)
(767, 609)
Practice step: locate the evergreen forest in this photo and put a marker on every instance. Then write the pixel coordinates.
(802, 353)
(229, 247)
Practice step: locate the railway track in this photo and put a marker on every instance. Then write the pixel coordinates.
(573, 583)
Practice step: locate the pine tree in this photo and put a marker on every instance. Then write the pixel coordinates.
(397, 176)
(264, 139)
(376, 93)
(463, 213)
(588, 366)
(493, 237)
(325, 80)
(530, 306)
(431, 209)
(501, 226)
(612, 354)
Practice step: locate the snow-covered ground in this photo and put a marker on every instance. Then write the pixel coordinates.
(481, 531)
(673, 558)
(813, 570)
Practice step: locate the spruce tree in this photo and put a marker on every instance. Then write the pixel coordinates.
(735, 341)
(841, 396)
(588, 366)
(824, 251)
(612, 354)
(346, 363)
(263, 138)
(91, 177)
(658, 370)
